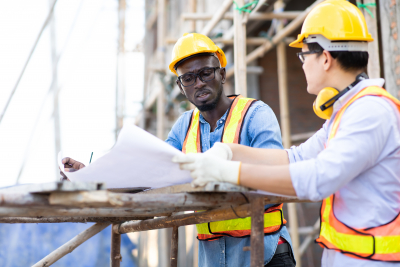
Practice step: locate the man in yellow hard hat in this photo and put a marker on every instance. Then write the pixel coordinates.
(352, 163)
(200, 67)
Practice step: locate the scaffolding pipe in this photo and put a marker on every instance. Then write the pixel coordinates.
(46, 22)
(217, 17)
(279, 36)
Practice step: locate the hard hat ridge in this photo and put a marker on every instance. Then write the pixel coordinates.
(335, 20)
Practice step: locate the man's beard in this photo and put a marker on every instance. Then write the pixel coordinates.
(212, 105)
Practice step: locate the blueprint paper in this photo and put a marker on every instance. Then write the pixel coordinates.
(138, 159)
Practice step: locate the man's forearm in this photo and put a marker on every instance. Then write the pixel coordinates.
(263, 156)
(274, 179)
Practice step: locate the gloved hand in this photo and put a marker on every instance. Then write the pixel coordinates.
(220, 150)
(206, 168)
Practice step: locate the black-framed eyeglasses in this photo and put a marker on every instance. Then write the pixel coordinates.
(301, 54)
(205, 75)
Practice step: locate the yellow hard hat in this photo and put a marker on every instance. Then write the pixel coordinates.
(194, 43)
(336, 20)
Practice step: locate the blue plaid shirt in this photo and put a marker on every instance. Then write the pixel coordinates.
(261, 130)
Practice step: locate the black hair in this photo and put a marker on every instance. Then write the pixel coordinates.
(348, 60)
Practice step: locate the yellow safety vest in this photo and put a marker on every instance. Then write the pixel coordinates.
(273, 217)
(381, 243)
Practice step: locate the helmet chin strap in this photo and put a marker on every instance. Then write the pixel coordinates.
(330, 102)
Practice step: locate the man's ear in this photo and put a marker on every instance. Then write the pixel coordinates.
(327, 60)
(180, 87)
(222, 72)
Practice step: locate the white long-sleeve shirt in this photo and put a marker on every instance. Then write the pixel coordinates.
(361, 165)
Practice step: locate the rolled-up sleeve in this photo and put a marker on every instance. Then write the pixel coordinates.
(309, 149)
(359, 141)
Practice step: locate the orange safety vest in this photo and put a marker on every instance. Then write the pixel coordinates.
(241, 227)
(381, 243)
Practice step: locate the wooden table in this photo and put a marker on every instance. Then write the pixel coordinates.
(133, 210)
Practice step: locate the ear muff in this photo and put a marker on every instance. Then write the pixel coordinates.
(323, 104)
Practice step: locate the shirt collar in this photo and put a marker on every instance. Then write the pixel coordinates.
(220, 121)
(356, 89)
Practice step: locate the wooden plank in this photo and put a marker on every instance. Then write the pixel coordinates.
(257, 232)
(115, 252)
(23, 199)
(53, 187)
(389, 20)
(174, 247)
(145, 201)
(71, 245)
(187, 188)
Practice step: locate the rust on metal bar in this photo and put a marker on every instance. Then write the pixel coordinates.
(116, 257)
(174, 247)
(257, 232)
(184, 219)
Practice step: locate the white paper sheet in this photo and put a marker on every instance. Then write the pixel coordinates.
(138, 159)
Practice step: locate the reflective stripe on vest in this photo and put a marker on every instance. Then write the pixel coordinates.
(273, 222)
(273, 217)
(381, 243)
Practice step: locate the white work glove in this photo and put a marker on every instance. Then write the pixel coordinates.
(206, 168)
(220, 150)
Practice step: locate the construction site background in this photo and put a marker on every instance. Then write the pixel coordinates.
(98, 65)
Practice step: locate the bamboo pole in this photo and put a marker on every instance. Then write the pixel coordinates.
(239, 49)
(183, 219)
(71, 245)
(253, 16)
(54, 89)
(217, 17)
(193, 8)
(49, 16)
(249, 41)
(283, 95)
(120, 88)
(285, 126)
(279, 36)
(374, 70)
(115, 251)
(161, 54)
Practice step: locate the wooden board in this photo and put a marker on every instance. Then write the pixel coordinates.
(187, 188)
(53, 187)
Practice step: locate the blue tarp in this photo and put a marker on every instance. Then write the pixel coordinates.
(25, 244)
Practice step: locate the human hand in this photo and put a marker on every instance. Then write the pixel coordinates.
(70, 165)
(220, 150)
(206, 168)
